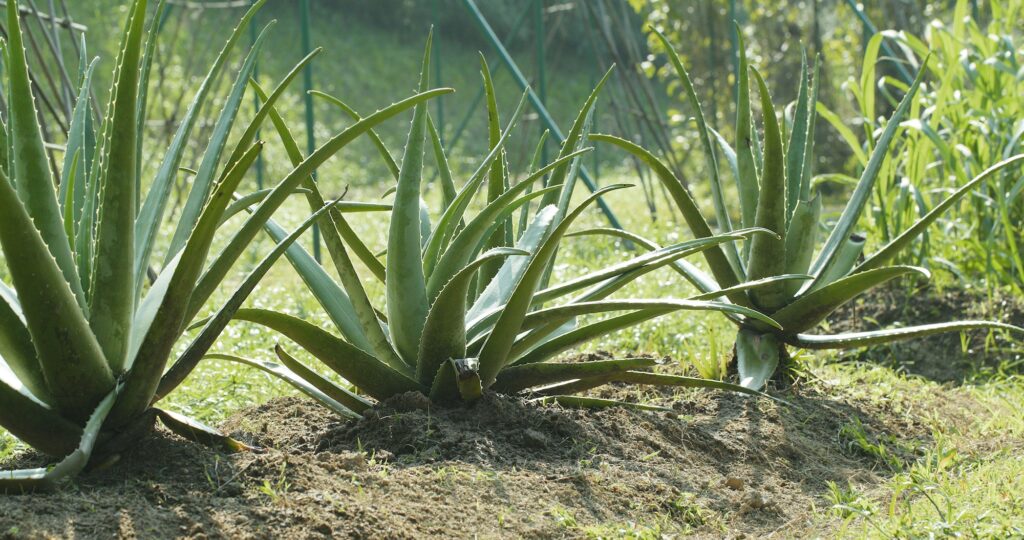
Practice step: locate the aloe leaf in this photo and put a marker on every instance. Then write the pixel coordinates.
(801, 237)
(17, 351)
(494, 354)
(847, 256)
(851, 213)
(30, 167)
(385, 154)
(865, 339)
(518, 378)
(904, 239)
(236, 246)
(406, 287)
(70, 466)
(196, 431)
(658, 379)
(797, 148)
(142, 104)
(339, 229)
(369, 374)
(717, 196)
(746, 172)
(287, 376)
(812, 111)
(464, 244)
(572, 143)
(69, 181)
(246, 202)
(444, 333)
(538, 153)
(578, 402)
(500, 289)
(767, 253)
(444, 387)
(751, 285)
(337, 393)
(112, 290)
(497, 180)
(448, 190)
(206, 174)
(757, 357)
(809, 310)
(586, 333)
(720, 267)
(68, 353)
(78, 154)
(187, 362)
(452, 216)
(147, 225)
(35, 424)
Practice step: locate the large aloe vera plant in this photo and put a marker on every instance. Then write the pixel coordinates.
(801, 283)
(84, 339)
(465, 295)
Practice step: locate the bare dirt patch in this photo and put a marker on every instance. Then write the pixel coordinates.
(721, 465)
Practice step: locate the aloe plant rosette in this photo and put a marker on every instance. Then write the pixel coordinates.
(85, 339)
(468, 307)
(787, 275)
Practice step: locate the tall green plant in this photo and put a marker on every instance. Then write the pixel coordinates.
(805, 282)
(84, 342)
(449, 329)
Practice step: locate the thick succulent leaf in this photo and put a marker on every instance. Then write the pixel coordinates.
(865, 339)
(444, 333)
(464, 244)
(30, 167)
(807, 169)
(142, 103)
(751, 285)
(147, 225)
(500, 289)
(903, 240)
(406, 287)
(382, 149)
(338, 230)
(845, 259)
(205, 177)
(518, 378)
(757, 357)
(17, 351)
(337, 393)
(538, 154)
(717, 261)
(748, 184)
(801, 238)
(69, 467)
(196, 431)
(202, 343)
(366, 372)
(497, 178)
(767, 253)
(711, 162)
(797, 146)
(78, 153)
(812, 308)
(67, 350)
(448, 190)
(865, 187)
(494, 354)
(287, 376)
(252, 199)
(35, 424)
(112, 290)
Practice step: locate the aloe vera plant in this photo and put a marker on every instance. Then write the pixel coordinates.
(84, 340)
(799, 283)
(466, 295)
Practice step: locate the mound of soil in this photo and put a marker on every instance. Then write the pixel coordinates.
(720, 465)
(945, 357)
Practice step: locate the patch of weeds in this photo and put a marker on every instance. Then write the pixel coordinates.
(847, 502)
(686, 510)
(885, 449)
(277, 489)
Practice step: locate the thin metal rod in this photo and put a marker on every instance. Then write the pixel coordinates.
(535, 100)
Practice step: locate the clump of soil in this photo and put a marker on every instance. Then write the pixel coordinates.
(502, 467)
(945, 357)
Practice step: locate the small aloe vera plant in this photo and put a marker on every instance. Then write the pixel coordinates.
(84, 341)
(787, 275)
(465, 296)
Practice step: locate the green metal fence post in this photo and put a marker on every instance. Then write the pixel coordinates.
(310, 116)
(534, 99)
